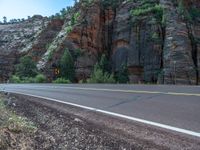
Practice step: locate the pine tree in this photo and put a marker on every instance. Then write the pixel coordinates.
(67, 66)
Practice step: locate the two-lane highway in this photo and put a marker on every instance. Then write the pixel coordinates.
(170, 107)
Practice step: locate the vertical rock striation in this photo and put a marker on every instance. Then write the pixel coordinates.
(178, 67)
(162, 45)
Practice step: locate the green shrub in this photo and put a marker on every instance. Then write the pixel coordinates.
(74, 18)
(78, 52)
(101, 72)
(194, 13)
(122, 75)
(26, 67)
(82, 81)
(40, 78)
(13, 122)
(98, 76)
(69, 29)
(28, 80)
(87, 3)
(62, 80)
(156, 10)
(15, 79)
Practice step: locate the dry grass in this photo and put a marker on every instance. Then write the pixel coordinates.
(12, 125)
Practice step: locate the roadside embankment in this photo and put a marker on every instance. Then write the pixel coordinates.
(51, 125)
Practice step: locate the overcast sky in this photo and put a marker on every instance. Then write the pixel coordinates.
(23, 8)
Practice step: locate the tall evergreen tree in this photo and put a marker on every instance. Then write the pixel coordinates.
(67, 66)
(4, 20)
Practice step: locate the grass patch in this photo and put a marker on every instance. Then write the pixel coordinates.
(12, 122)
(62, 81)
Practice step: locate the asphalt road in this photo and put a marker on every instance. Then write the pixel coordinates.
(177, 106)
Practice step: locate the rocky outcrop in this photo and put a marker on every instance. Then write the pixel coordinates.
(159, 46)
(16, 40)
(6, 65)
(178, 65)
(87, 36)
(195, 34)
(134, 45)
(45, 38)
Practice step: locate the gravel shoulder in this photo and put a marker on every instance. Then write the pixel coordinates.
(64, 127)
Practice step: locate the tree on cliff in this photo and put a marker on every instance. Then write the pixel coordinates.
(67, 66)
(4, 20)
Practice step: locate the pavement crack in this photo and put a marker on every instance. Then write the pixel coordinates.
(124, 102)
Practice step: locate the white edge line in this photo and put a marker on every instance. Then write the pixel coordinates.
(188, 132)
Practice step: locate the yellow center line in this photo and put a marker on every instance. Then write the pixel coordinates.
(136, 91)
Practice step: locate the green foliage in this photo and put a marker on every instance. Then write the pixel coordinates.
(86, 3)
(156, 10)
(103, 64)
(74, 18)
(183, 11)
(69, 29)
(67, 66)
(78, 52)
(26, 67)
(181, 8)
(194, 13)
(62, 13)
(13, 122)
(122, 75)
(19, 124)
(189, 15)
(27, 80)
(98, 76)
(15, 79)
(40, 78)
(61, 81)
(100, 73)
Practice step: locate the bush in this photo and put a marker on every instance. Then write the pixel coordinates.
(156, 10)
(99, 76)
(28, 80)
(69, 29)
(61, 80)
(100, 73)
(122, 75)
(15, 79)
(26, 67)
(40, 78)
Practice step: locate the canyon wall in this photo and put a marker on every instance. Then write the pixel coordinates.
(159, 44)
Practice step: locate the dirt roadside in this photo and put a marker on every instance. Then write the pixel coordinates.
(69, 128)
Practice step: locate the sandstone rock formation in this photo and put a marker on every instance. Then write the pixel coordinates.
(16, 39)
(163, 50)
